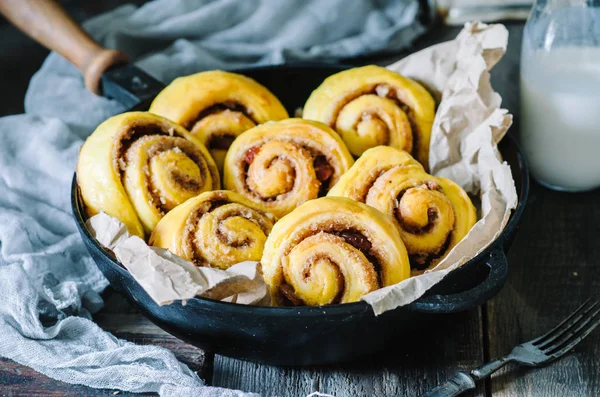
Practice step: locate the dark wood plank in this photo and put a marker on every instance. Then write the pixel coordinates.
(264, 379)
(554, 267)
(406, 369)
(17, 380)
(435, 356)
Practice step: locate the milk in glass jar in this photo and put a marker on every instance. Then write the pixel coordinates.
(560, 93)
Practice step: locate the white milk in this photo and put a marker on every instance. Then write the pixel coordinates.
(560, 116)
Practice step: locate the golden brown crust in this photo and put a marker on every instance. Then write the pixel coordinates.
(332, 250)
(215, 104)
(371, 106)
(279, 164)
(215, 229)
(137, 166)
(433, 214)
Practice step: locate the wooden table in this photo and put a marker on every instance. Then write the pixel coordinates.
(554, 266)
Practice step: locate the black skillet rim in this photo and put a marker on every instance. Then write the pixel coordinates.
(361, 306)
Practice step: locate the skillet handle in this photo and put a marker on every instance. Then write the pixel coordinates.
(48, 23)
(471, 298)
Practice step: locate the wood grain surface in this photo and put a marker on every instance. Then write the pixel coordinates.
(406, 368)
(554, 266)
(17, 380)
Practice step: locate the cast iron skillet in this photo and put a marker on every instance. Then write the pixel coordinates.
(314, 335)
(291, 336)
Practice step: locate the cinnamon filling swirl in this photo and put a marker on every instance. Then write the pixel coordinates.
(134, 132)
(385, 91)
(224, 236)
(382, 90)
(250, 154)
(159, 159)
(218, 108)
(353, 237)
(432, 213)
(289, 297)
(422, 260)
(323, 171)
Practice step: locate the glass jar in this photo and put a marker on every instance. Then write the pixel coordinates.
(560, 93)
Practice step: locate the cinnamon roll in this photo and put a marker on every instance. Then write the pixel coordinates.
(217, 106)
(332, 250)
(433, 214)
(216, 229)
(138, 166)
(371, 106)
(283, 164)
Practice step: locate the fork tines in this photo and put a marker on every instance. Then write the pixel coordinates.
(571, 331)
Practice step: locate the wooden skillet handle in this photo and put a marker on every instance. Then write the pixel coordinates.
(48, 23)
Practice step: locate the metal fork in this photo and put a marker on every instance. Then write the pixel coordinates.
(534, 353)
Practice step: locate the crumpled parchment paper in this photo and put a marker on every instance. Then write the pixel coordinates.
(468, 125)
(167, 277)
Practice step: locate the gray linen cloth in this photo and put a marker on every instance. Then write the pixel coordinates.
(49, 285)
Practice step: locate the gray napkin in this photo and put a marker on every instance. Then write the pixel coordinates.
(49, 286)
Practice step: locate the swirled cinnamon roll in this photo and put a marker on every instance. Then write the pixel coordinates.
(217, 106)
(433, 214)
(332, 250)
(216, 229)
(283, 164)
(371, 106)
(138, 166)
